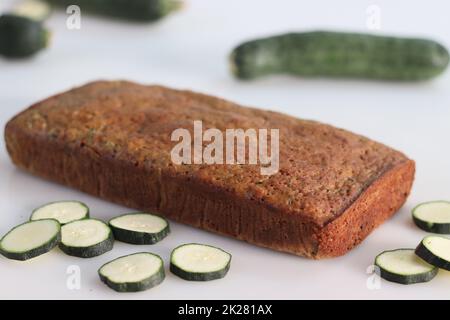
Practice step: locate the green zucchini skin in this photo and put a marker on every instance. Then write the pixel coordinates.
(425, 254)
(404, 279)
(22, 256)
(142, 285)
(441, 228)
(433, 227)
(423, 277)
(134, 10)
(191, 276)
(91, 251)
(340, 54)
(136, 237)
(21, 37)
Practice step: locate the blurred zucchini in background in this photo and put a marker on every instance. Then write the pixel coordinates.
(137, 10)
(21, 37)
(340, 54)
(34, 9)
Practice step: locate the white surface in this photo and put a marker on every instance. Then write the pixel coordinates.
(189, 50)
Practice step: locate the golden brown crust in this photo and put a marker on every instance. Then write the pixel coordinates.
(107, 139)
(379, 202)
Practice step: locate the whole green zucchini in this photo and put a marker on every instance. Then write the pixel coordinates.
(138, 10)
(339, 54)
(21, 36)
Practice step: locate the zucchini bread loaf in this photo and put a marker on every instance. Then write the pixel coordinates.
(113, 140)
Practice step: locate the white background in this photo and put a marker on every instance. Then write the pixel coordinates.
(189, 50)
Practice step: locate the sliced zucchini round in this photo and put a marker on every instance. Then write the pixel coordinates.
(436, 251)
(433, 216)
(63, 211)
(139, 228)
(30, 239)
(86, 238)
(134, 272)
(199, 262)
(33, 9)
(403, 266)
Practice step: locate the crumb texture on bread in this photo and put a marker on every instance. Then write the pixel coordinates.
(112, 139)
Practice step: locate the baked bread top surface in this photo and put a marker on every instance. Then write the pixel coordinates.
(322, 169)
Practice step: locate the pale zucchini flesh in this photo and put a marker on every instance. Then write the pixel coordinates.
(63, 211)
(30, 239)
(199, 262)
(86, 238)
(403, 266)
(34, 9)
(436, 251)
(135, 272)
(433, 216)
(139, 228)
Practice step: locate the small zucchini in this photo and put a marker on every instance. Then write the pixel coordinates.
(137, 10)
(436, 251)
(63, 211)
(199, 262)
(86, 238)
(340, 54)
(31, 239)
(139, 228)
(433, 216)
(403, 266)
(21, 37)
(134, 272)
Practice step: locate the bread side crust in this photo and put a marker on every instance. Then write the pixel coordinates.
(188, 202)
(377, 203)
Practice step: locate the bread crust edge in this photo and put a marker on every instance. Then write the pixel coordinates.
(184, 201)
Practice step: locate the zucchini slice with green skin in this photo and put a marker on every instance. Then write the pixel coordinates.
(63, 211)
(136, 10)
(340, 54)
(86, 238)
(436, 251)
(199, 262)
(433, 216)
(21, 37)
(34, 9)
(135, 272)
(403, 266)
(139, 228)
(30, 239)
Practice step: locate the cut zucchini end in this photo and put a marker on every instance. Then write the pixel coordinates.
(33, 9)
(63, 211)
(139, 228)
(169, 6)
(404, 267)
(132, 273)
(47, 38)
(86, 238)
(435, 250)
(199, 262)
(232, 63)
(176, 5)
(30, 239)
(433, 216)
